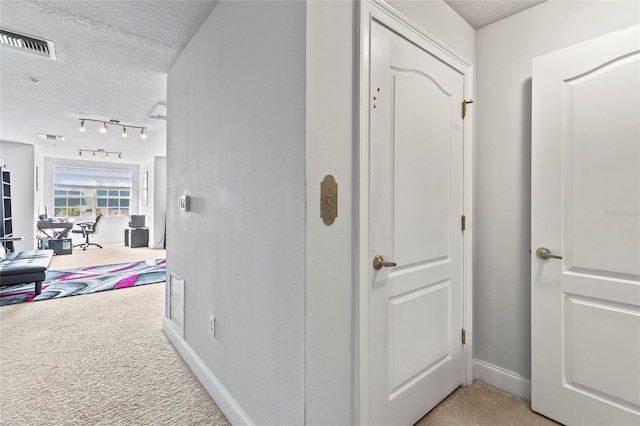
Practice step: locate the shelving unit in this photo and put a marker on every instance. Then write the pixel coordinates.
(6, 224)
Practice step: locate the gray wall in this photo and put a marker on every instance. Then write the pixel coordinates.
(158, 187)
(329, 280)
(236, 146)
(156, 209)
(19, 160)
(503, 166)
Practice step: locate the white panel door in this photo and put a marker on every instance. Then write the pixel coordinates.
(586, 208)
(416, 164)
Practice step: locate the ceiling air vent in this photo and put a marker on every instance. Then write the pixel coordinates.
(51, 137)
(28, 44)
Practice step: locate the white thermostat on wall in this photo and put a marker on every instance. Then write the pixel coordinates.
(184, 203)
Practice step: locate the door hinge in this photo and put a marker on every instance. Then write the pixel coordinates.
(464, 107)
(464, 337)
(463, 223)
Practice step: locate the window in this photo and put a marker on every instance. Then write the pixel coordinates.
(87, 192)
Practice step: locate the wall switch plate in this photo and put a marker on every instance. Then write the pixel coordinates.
(184, 203)
(212, 325)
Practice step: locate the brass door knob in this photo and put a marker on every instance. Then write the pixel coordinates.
(545, 253)
(379, 263)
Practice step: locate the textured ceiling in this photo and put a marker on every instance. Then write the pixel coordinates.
(112, 62)
(479, 13)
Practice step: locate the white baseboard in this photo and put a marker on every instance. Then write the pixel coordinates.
(500, 378)
(231, 409)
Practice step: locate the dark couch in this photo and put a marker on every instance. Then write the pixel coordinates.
(25, 267)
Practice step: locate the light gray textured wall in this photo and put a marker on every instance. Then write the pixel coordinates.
(236, 146)
(331, 56)
(19, 160)
(155, 211)
(503, 164)
(332, 108)
(158, 186)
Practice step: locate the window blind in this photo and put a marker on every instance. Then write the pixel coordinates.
(86, 177)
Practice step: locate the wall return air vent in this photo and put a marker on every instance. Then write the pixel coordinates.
(175, 302)
(27, 44)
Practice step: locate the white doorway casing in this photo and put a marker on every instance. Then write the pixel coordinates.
(372, 14)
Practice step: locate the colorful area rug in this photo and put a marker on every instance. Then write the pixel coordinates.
(86, 280)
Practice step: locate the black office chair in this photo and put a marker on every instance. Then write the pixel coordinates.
(86, 229)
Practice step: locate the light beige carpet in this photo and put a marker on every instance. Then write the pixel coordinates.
(482, 405)
(110, 253)
(96, 359)
(102, 359)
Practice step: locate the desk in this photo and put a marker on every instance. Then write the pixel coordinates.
(58, 229)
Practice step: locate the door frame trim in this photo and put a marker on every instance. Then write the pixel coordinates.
(377, 10)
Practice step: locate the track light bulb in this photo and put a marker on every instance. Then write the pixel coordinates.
(80, 153)
(107, 156)
(94, 154)
(120, 156)
(143, 135)
(82, 128)
(124, 131)
(103, 129)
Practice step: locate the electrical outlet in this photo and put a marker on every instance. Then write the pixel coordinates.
(212, 325)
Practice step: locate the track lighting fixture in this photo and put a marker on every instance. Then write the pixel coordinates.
(103, 128)
(99, 151)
